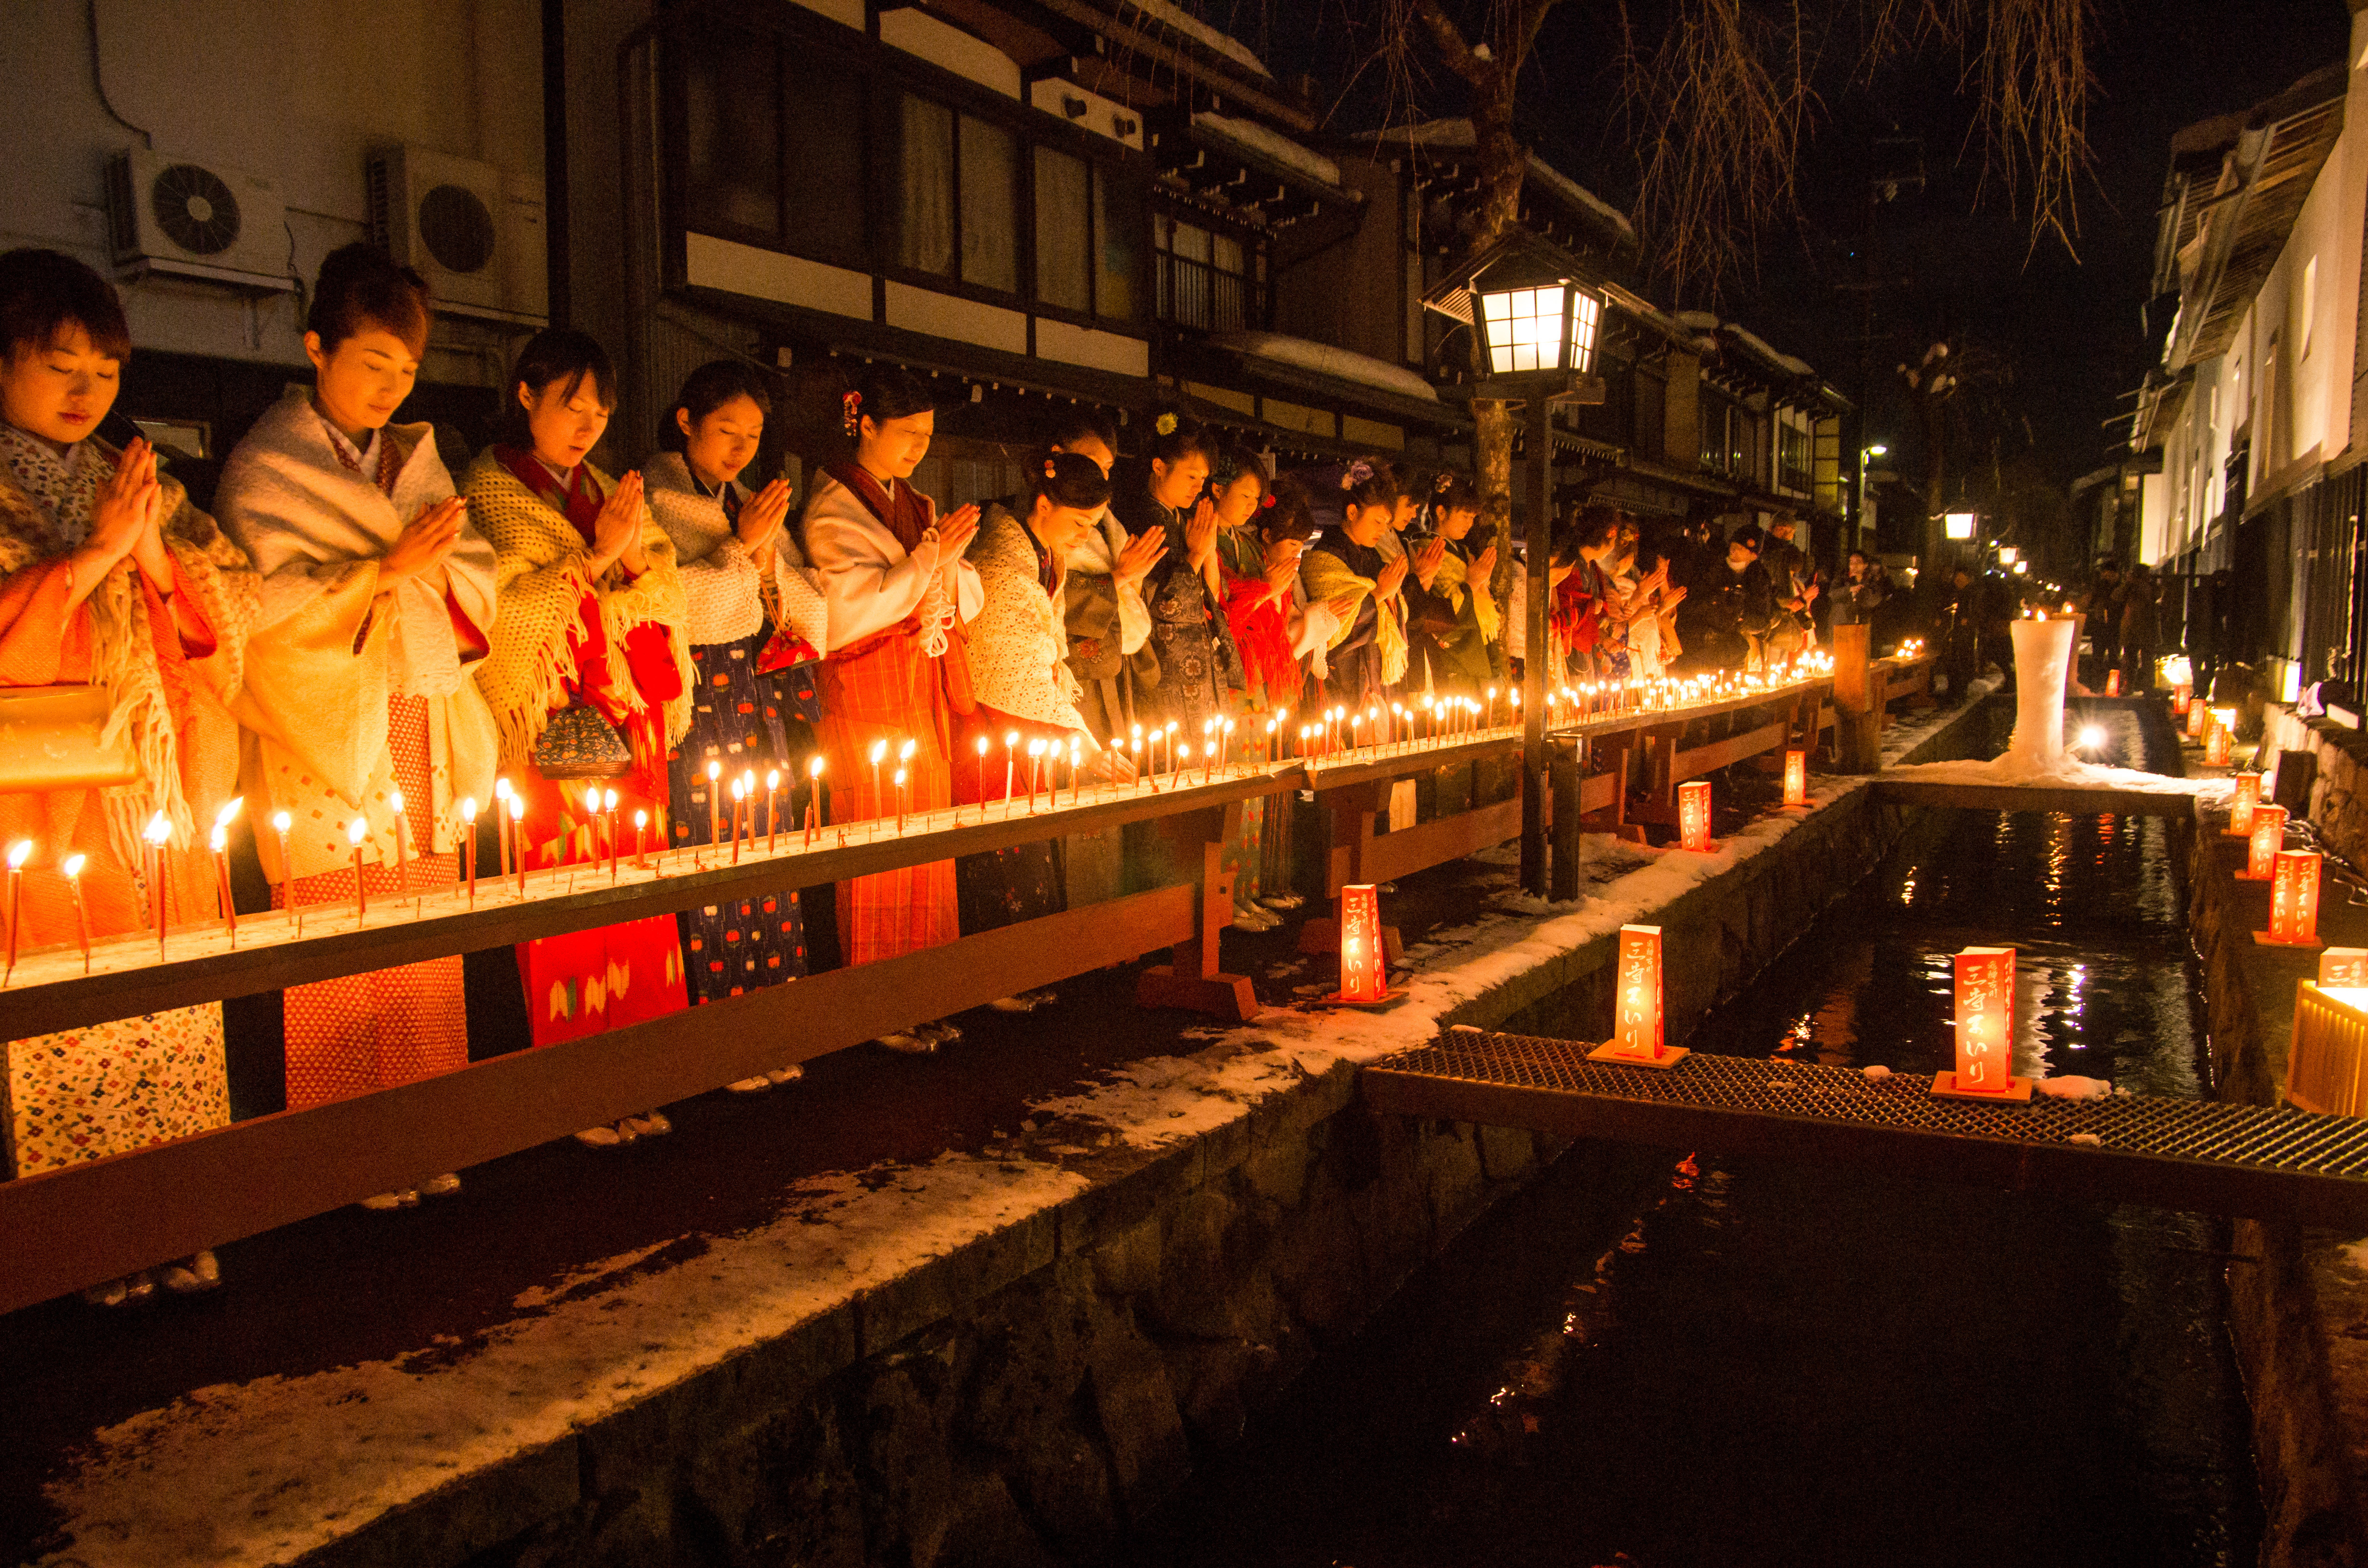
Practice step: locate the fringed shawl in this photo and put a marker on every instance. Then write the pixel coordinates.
(540, 556)
(726, 595)
(1018, 649)
(1328, 577)
(155, 696)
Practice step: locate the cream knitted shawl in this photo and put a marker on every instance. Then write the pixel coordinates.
(1019, 661)
(1328, 577)
(727, 594)
(539, 561)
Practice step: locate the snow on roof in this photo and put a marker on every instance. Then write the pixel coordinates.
(1791, 364)
(1701, 321)
(1327, 360)
(1174, 16)
(1273, 145)
(1458, 134)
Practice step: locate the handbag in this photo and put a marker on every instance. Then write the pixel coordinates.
(51, 738)
(579, 744)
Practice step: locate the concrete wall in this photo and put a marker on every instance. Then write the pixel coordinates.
(294, 91)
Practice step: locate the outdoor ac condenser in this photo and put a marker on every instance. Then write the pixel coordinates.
(181, 219)
(473, 232)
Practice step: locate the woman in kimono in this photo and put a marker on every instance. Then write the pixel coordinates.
(109, 577)
(1365, 656)
(377, 593)
(1198, 667)
(1026, 696)
(1451, 619)
(590, 679)
(900, 598)
(1260, 568)
(1107, 623)
(756, 626)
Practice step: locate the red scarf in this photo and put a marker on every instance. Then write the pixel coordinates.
(649, 657)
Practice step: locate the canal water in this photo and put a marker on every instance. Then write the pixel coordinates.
(1743, 1362)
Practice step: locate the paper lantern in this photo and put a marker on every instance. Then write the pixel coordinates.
(1693, 815)
(2294, 899)
(2246, 800)
(2196, 714)
(2343, 966)
(2216, 747)
(1796, 778)
(1985, 1026)
(1636, 1037)
(2180, 695)
(2112, 683)
(1364, 965)
(2261, 850)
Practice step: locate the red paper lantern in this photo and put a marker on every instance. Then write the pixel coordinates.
(2243, 803)
(2261, 849)
(1984, 1023)
(2180, 695)
(1364, 964)
(2216, 748)
(2343, 966)
(2294, 899)
(1796, 778)
(1693, 815)
(2196, 714)
(2112, 683)
(1637, 1012)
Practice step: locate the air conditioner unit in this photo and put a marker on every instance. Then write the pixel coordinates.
(170, 216)
(464, 226)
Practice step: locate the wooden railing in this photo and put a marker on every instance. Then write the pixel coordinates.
(67, 1228)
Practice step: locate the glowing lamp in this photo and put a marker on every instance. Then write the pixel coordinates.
(1637, 1036)
(2343, 966)
(1959, 525)
(1693, 816)
(2196, 714)
(2243, 803)
(2180, 698)
(2294, 900)
(2262, 848)
(1546, 325)
(2009, 555)
(1984, 1027)
(2112, 683)
(1364, 961)
(2218, 747)
(1796, 777)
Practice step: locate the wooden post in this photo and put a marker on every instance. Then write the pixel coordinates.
(1857, 703)
(1192, 978)
(1353, 810)
(1565, 770)
(1537, 675)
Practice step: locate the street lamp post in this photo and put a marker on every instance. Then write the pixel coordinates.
(1537, 322)
(1857, 520)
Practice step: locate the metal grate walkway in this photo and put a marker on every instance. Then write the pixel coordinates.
(2194, 1154)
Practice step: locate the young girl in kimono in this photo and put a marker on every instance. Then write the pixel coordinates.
(1106, 620)
(757, 625)
(1199, 668)
(1365, 656)
(589, 678)
(377, 593)
(894, 676)
(110, 577)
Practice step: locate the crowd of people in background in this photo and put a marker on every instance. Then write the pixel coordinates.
(355, 643)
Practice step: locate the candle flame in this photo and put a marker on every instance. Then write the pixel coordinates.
(813, 769)
(73, 866)
(158, 830)
(609, 800)
(281, 822)
(517, 807)
(715, 769)
(641, 820)
(357, 829)
(220, 838)
(773, 779)
(18, 853)
(905, 752)
(469, 809)
(501, 787)
(899, 778)
(229, 813)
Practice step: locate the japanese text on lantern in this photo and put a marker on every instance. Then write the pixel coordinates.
(1637, 1027)
(2294, 898)
(2246, 800)
(1693, 815)
(1364, 963)
(2268, 837)
(2343, 966)
(1796, 777)
(1984, 1018)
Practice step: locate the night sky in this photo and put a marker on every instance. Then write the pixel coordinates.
(2061, 333)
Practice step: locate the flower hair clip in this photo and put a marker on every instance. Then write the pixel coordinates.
(1444, 481)
(852, 409)
(1052, 469)
(1268, 499)
(1356, 473)
(1165, 425)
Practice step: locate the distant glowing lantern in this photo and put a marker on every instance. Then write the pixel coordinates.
(2112, 683)
(1985, 979)
(2181, 696)
(2242, 804)
(2009, 555)
(1796, 777)
(2196, 714)
(2343, 966)
(1637, 1029)
(1960, 525)
(1693, 816)
(1364, 963)
(2294, 900)
(2269, 836)
(2217, 752)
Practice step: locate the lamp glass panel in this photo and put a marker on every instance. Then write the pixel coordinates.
(1585, 316)
(1959, 524)
(1525, 329)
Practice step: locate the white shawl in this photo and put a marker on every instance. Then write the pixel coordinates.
(1019, 653)
(869, 583)
(1097, 556)
(720, 581)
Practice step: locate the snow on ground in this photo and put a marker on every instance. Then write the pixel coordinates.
(2067, 771)
(263, 1471)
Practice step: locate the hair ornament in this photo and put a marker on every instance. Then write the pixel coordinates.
(852, 409)
(1165, 423)
(1356, 473)
(1445, 481)
(1268, 500)
(1052, 469)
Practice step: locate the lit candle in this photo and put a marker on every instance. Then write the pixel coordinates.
(747, 809)
(517, 839)
(739, 794)
(357, 831)
(1170, 732)
(772, 787)
(904, 765)
(879, 796)
(900, 801)
(280, 823)
(641, 838)
(220, 844)
(157, 832)
(609, 810)
(592, 824)
(1035, 769)
(502, 845)
(1076, 751)
(715, 800)
(469, 844)
(1140, 779)
(813, 800)
(73, 869)
(402, 860)
(18, 853)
